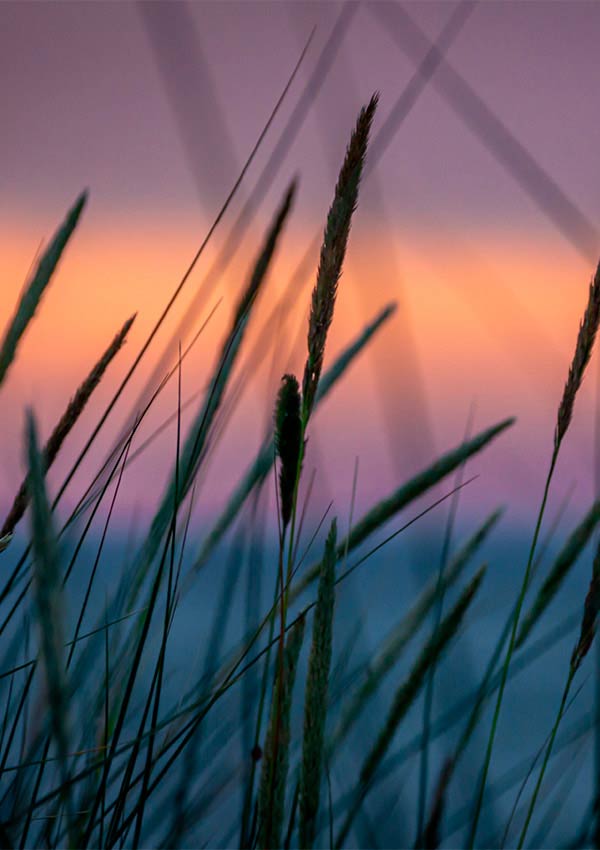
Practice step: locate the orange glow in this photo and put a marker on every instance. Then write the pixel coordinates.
(496, 325)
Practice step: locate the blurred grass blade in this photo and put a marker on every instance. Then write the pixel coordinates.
(395, 643)
(273, 776)
(49, 610)
(562, 565)
(431, 834)
(407, 493)
(34, 290)
(315, 701)
(194, 445)
(259, 469)
(407, 693)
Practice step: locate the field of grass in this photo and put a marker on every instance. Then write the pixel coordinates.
(105, 742)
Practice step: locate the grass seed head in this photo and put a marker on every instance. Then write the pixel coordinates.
(64, 426)
(333, 251)
(288, 438)
(583, 352)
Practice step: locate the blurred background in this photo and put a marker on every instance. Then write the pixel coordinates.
(479, 215)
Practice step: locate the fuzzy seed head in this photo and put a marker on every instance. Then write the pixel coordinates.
(333, 251)
(288, 437)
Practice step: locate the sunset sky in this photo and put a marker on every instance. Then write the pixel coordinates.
(479, 217)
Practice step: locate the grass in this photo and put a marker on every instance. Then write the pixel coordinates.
(269, 740)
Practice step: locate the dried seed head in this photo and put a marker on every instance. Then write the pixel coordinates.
(583, 352)
(288, 436)
(333, 250)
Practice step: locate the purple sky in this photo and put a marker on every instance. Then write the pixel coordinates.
(156, 107)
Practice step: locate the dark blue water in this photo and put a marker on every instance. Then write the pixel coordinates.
(235, 590)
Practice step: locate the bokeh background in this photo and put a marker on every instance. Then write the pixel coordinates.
(479, 215)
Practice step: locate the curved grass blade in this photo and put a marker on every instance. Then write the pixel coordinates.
(562, 565)
(407, 493)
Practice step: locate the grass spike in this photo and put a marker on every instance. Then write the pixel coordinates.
(333, 251)
(583, 351)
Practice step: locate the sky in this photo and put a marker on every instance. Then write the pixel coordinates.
(478, 215)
